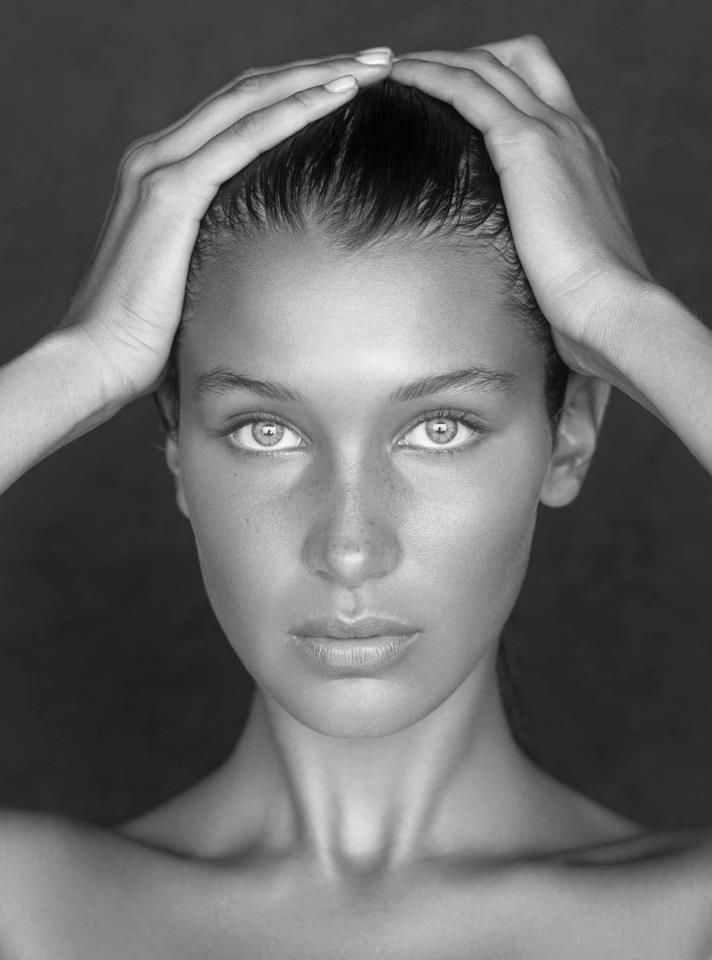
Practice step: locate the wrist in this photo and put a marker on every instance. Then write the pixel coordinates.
(652, 344)
(74, 367)
(49, 395)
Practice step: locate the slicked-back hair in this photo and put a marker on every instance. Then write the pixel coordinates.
(391, 164)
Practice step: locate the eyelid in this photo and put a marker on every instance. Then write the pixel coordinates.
(460, 416)
(241, 420)
(470, 420)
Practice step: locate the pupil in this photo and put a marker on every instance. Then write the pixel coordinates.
(267, 433)
(441, 431)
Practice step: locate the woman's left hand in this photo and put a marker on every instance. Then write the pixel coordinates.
(561, 191)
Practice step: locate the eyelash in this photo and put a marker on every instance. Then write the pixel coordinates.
(458, 416)
(255, 417)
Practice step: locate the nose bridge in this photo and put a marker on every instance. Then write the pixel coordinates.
(354, 536)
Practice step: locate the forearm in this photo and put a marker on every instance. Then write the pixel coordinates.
(662, 358)
(49, 395)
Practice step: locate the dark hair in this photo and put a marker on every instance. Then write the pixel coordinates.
(391, 163)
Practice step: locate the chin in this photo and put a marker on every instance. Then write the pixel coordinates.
(358, 707)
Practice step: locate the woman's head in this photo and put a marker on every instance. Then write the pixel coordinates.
(367, 407)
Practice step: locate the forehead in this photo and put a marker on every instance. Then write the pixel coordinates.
(282, 302)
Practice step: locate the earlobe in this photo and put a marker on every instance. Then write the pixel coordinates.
(173, 462)
(576, 439)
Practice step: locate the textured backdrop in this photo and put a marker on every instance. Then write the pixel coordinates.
(116, 685)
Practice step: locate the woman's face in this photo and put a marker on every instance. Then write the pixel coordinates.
(338, 457)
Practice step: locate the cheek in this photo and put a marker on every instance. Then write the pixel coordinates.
(247, 536)
(473, 534)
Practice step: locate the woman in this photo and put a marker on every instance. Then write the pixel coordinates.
(364, 411)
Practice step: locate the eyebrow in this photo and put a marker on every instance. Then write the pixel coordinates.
(220, 381)
(465, 379)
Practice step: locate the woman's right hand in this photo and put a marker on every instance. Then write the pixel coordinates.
(129, 302)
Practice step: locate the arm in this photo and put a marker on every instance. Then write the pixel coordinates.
(661, 357)
(49, 395)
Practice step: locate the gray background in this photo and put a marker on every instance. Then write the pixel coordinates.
(116, 686)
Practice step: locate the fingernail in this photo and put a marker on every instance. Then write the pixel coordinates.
(341, 84)
(375, 55)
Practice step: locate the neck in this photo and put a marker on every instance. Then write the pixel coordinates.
(452, 781)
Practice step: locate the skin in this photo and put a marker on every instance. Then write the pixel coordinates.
(350, 523)
(392, 807)
(387, 812)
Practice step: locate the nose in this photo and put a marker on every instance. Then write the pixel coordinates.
(353, 537)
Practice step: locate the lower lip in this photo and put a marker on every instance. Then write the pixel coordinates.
(355, 656)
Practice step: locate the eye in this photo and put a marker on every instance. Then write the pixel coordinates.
(442, 431)
(265, 435)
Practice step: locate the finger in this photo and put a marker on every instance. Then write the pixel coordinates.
(491, 69)
(199, 175)
(310, 61)
(480, 103)
(530, 58)
(252, 71)
(249, 92)
(184, 179)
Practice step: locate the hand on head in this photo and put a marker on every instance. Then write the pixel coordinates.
(129, 303)
(561, 190)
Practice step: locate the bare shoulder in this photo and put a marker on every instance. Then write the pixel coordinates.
(38, 849)
(685, 852)
(653, 890)
(690, 851)
(38, 845)
(53, 868)
(37, 852)
(36, 841)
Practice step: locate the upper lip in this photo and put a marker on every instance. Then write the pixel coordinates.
(353, 629)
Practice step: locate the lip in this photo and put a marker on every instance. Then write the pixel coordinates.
(352, 656)
(335, 628)
(354, 646)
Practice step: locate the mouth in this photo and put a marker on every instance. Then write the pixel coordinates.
(335, 628)
(357, 646)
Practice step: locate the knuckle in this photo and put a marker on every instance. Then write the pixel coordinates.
(249, 125)
(536, 133)
(136, 159)
(249, 82)
(303, 98)
(590, 131)
(568, 127)
(160, 186)
(576, 134)
(479, 53)
(467, 77)
(534, 42)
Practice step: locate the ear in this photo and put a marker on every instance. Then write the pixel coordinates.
(585, 404)
(166, 401)
(172, 449)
